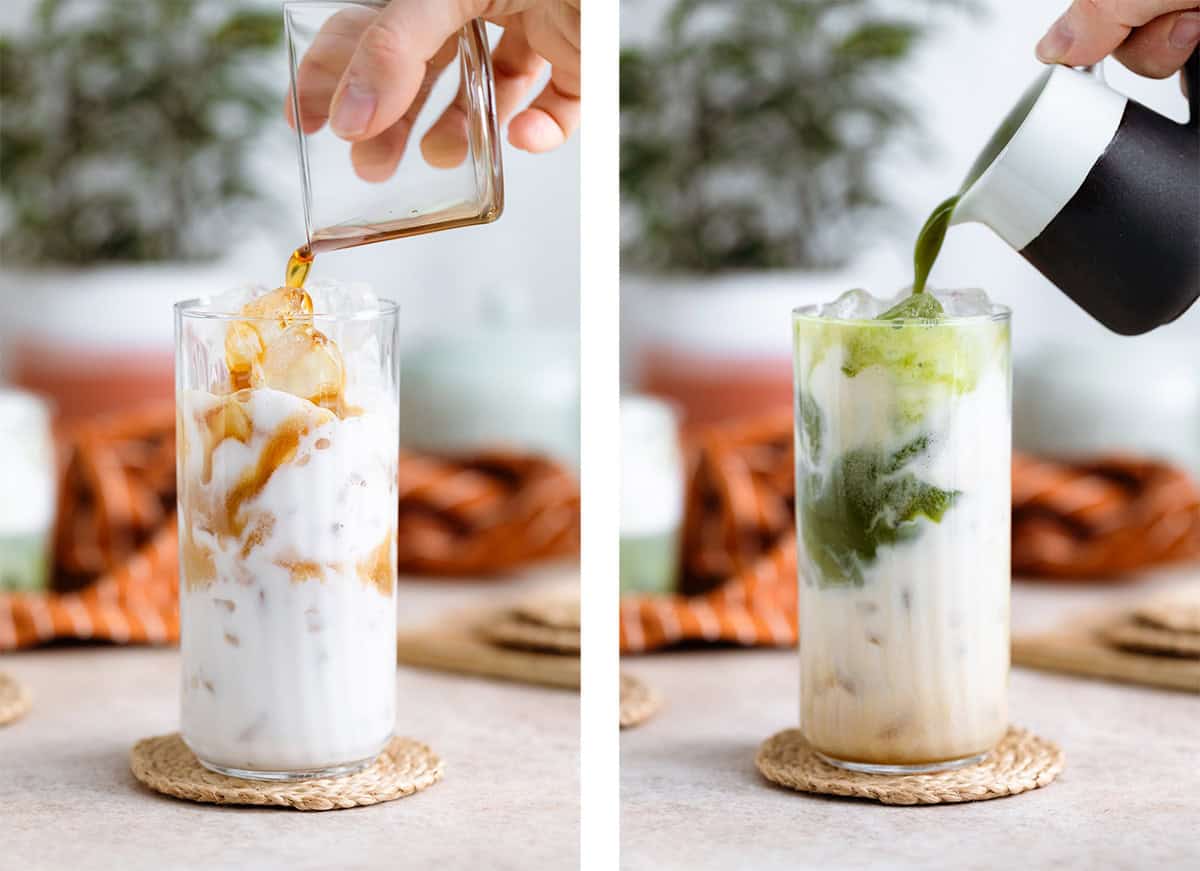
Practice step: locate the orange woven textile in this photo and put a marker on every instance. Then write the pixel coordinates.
(1101, 519)
(115, 544)
(739, 576)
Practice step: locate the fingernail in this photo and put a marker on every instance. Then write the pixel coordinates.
(1056, 43)
(1186, 31)
(353, 111)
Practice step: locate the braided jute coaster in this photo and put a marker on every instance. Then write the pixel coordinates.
(15, 700)
(639, 702)
(1177, 609)
(1132, 634)
(1020, 762)
(559, 612)
(166, 765)
(515, 631)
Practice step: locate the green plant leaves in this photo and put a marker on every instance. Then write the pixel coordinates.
(750, 131)
(248, 29)
(129, 126)
(868, 501)
(878, 40)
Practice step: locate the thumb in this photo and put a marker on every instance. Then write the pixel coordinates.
(389, 63)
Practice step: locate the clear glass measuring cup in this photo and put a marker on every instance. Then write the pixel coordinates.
(341, 208)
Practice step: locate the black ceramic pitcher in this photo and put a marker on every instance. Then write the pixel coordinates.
(1100, 193)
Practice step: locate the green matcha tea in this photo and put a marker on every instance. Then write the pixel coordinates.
(933, 231)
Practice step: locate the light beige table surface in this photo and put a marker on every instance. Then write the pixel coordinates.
(509, 799)
(1128, 799)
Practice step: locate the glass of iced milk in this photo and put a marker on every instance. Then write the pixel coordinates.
(903, 514)
(287, 444)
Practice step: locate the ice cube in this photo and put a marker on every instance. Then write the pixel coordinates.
(243, 355)
(275, 311)
(268, 315)
(228, 419)
(353, 304)
(915, 307)
(302, 361)
(343, 300)
(232, 300)
(965, 302)
(855, 304)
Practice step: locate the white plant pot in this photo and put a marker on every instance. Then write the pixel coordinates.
(726, 324)
(87, 320)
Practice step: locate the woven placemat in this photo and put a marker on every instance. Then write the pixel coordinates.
(15, 700)
(1020, 762)
(639, 702)
(166, 765)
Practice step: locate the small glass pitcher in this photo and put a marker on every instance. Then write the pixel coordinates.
(341, 209)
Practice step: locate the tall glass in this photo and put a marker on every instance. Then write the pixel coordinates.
(287, 441)
(903, 444)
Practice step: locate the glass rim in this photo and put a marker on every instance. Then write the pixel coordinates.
(999, 313)
(194, 308)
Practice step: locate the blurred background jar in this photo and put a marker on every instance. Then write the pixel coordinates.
(27, 497)
(498, 379)
(652, 485)
(1114, 395)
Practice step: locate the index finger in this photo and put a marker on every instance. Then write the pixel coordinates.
(389, 63)
(321, 68)
(1090, 30)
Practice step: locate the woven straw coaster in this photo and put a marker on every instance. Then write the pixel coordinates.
(516, 631)
(1132, 634)
(1083, 646)
(468, 642)
(639, 702)
(1177, 609)
(1020, 762)
(547, 624)
(15, 700)
(559, 612)
(166, 765)
(460, 649)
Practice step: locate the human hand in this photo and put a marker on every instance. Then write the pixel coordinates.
(369, 71)
(1152, 37)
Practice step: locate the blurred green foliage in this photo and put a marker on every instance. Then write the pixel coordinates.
(126, 127)
(750, 130)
